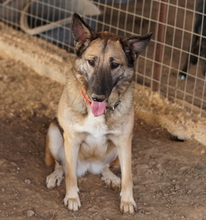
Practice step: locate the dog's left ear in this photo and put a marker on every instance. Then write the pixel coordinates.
(133, 46)
(82, 33)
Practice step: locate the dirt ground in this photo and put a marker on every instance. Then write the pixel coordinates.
(169, 176)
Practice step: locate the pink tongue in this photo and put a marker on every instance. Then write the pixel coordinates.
(98, 108)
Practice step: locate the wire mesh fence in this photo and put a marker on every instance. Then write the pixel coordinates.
(174, 64)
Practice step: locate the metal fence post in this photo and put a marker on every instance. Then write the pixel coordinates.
(160, 27)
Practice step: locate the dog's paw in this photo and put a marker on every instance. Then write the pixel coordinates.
(54, 179)
(128, 207)
(182, 76)
(113, 182)
(72, 204)
(110, 179)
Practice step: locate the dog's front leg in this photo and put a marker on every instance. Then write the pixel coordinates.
(127, 204)
(71, 199)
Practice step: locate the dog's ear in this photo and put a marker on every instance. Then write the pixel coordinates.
(133, 46)
(82, 33)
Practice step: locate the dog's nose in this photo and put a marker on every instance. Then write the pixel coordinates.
(98, 98)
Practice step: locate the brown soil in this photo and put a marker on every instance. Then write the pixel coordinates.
(169, 176)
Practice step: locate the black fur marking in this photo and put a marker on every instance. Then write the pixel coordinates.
(130, 60)
(101, 82)
(59, 126)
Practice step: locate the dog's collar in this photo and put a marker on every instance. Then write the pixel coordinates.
(112, 108)
(85, 97)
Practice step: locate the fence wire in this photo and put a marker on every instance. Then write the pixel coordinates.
(181, 51)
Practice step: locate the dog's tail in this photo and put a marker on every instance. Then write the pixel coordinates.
(49, 160)
(115, 163)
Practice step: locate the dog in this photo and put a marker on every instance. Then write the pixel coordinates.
(198, 41)
(95, 114)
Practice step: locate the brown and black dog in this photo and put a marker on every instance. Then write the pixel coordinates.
(95, 115)
(198, 48)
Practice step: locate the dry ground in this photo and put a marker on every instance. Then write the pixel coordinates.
(169, 176)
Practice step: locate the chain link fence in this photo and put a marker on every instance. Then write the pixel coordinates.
(174, 64)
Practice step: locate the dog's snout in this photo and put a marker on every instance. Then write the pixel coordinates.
(98, 98)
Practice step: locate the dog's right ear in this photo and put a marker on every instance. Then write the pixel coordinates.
(134, 45)
(82, 33)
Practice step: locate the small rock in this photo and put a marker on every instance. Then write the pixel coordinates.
(144, 166)
(189, 191)
(177, 187)
(30, 213)
(202, 152)
(27, 181)
(141, 123)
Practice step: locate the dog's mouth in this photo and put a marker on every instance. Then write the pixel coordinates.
(98, 108)
(98, 105)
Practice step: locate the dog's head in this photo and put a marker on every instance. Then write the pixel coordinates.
(104, 60)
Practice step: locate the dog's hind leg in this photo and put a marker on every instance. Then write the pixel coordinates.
(110, 179)
(54, 152)
(55, 178)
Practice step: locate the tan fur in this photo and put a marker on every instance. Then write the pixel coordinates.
(49, 160)
(92, 143)
(115, 162)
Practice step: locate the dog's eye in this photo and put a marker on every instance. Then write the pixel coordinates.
(114, 65)
(91, 62)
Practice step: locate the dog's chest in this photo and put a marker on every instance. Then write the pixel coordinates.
(95, 141)
(92, 125)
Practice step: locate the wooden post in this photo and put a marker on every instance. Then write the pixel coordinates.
(160, 27)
